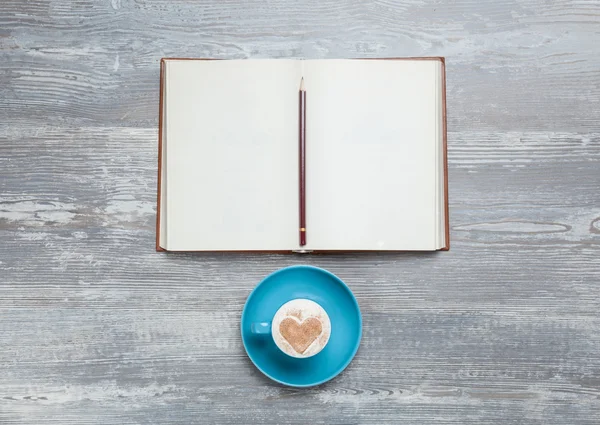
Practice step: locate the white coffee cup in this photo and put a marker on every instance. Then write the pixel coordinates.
(300, 328)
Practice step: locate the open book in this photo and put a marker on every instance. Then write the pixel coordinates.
(376, 173)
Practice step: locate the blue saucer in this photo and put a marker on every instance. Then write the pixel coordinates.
(314, 284)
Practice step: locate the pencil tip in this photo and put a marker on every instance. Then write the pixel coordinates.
(302, 84)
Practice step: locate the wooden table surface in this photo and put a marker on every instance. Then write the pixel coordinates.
(98, 328)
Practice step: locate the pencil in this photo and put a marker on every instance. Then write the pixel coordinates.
(302, 159)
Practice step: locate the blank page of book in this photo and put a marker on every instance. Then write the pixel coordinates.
(372, 150)
(231, 148)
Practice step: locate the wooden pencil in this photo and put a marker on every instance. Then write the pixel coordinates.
(302, 159)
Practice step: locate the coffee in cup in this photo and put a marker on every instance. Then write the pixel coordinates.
(300, 328)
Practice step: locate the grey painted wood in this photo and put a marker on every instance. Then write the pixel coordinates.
(96, 327)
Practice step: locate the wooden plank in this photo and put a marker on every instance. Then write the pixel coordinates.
(94, 322)
(514, 66)
(96, 327)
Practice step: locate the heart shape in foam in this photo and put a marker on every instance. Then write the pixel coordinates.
(300, 335)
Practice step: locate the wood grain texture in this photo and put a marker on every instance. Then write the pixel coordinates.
(97, 328)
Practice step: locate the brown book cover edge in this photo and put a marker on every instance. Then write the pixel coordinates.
(160, 143)
(444, 148)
